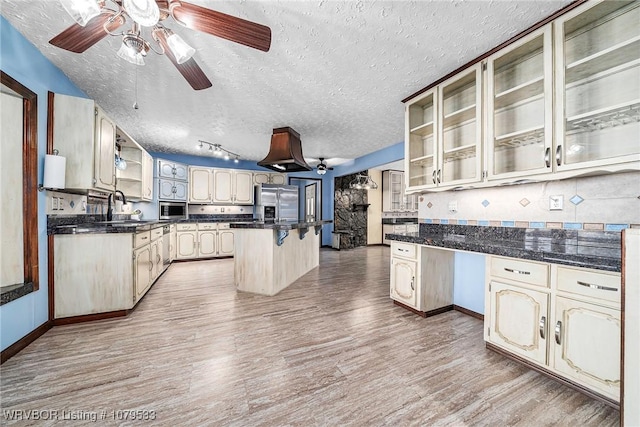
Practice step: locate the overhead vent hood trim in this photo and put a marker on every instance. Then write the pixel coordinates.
(285, 152)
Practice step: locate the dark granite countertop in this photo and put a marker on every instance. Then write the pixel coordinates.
(285, 225)
(600, 250)
(93, 224)
(393, 221)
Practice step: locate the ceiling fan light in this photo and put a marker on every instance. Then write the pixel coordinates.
(130, 55)
(180, 49)
(144, 12)
(322, 169)
(81, 10)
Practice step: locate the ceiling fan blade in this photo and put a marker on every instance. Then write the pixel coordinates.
(190, 70)
(77, 38)
(222, 25)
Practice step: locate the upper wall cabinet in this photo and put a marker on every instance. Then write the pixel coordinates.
(136, 180)
(460, 128)
(86, 137)
(269, 178)
(598, 82)
(444, 130)
(519, 107)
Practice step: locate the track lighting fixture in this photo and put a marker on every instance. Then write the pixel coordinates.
(217, 151)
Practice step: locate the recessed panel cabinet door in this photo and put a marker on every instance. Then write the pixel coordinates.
(243, 187)
(207, 243)
(519, 320)
(105, 141)
(226, 242)
(222, 187)
(166, 189)
(403, 282)
(200, 185)
(586, 345)
(187, 241)
(142, 270)
(180, 191)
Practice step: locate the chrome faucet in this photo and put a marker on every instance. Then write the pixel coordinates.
(112, 195)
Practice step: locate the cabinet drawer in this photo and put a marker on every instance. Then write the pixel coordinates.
(224, 227)
(141, 239)
(405, 250)
(156, 233)
(529, 272)
(207, 226)
(187, 227)
(595, 284)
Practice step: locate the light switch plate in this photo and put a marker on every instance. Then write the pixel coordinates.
(556, 203)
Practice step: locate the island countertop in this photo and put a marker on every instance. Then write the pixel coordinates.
(599, 250)
(284, 225)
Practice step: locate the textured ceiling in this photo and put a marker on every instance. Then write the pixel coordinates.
(336, 71)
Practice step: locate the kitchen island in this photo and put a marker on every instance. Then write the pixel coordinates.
(271, 256)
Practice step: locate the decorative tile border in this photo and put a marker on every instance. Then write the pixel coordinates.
(531, 224)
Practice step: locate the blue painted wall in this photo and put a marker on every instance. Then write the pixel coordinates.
(468, 281)
(22, 61)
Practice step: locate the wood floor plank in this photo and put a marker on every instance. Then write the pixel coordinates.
(331, 349)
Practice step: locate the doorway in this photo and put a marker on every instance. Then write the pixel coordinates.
(309, 189)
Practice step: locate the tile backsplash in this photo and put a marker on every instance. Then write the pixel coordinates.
(606, 202)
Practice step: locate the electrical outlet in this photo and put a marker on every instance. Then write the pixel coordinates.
(453, 206)
(556, 203)
(54, 203)
(61, 203)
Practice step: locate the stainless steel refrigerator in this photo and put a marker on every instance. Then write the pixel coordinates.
(274, 202)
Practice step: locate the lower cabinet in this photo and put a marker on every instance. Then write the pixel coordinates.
(87, 281)
(421, 277)
(204, 240)
(172, 242)
(566, 320)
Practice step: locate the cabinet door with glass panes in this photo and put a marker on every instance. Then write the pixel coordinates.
(597, 49)
(519, 107)
(421, 149)
(460, 129)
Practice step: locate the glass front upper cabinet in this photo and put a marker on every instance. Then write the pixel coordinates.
(421, 150)
(519, 105)
(598, 85)
(460, 128)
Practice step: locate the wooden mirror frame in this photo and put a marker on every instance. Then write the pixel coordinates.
(30, 182)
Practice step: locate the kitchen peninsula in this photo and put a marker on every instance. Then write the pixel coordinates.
(271, 256)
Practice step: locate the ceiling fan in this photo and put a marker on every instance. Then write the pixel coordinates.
(322, 167)
(95, 21)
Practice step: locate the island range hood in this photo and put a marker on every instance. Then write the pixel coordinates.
(285, 153)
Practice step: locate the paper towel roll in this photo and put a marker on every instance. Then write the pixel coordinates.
(54, 170)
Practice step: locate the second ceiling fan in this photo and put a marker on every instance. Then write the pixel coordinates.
(95, 21)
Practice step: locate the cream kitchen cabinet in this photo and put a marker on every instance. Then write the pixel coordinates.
(421, 277)
(112, 279)
(587, 328)
(172, 242)
(597, 54)
(200, 185)
(444, 130)
(187, 241)
(564, 320)
(204, 240)
(269, 178)
(232, 186)
(519, 107)
(172, 181)
(394, 198)
(518, 322)
(84, 134)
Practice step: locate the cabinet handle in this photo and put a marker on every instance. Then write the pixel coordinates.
(150, 266)
(439, 170)
(157, 259)
(559, 155)
(511, 270)
(558, 331)
(412, 279)
(543, 320)
(599, 287)
(547, 157)
(144, 238)
(434, 177)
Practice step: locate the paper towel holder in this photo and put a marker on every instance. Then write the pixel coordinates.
(42, 187)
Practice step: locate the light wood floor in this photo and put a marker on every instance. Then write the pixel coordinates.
(330, 350)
